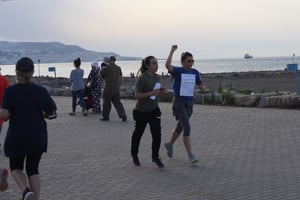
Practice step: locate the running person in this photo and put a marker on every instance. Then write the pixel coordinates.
(25, 105)
(184, 80)
(147, 111)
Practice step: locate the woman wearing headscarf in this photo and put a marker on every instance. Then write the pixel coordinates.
(95, 85)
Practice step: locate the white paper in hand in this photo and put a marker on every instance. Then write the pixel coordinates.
(156, 87)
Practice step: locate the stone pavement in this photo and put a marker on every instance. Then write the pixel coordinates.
(246, 154)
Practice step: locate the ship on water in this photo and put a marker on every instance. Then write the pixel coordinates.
(248, 56)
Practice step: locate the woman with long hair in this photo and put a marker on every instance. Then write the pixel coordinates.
(147, 111)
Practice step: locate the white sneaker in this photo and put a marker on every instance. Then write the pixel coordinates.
(28, 195)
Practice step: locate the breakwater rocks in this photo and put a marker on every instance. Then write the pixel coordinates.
(262, 100)
(231, 98)
(250, 89)
(281, 101)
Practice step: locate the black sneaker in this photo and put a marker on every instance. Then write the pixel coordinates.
(158, 163)
(136, 161)
(124, 118)
(28, 195)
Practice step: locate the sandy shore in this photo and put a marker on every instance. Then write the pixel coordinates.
(262, 81)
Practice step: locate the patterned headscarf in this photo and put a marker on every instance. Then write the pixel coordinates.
(95, 64)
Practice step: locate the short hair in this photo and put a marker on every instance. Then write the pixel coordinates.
(25, 64)
(112, 58)
(185, 55)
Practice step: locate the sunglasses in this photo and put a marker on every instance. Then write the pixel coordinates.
(190, 61)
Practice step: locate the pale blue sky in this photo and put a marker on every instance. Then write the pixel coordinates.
(207, 28)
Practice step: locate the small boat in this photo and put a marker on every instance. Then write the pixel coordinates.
(248, 56)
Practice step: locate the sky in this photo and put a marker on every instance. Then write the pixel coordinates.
(210, 29)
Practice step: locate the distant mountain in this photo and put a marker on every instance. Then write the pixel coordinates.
(50, 52)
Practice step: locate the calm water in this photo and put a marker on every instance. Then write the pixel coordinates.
(204, 66)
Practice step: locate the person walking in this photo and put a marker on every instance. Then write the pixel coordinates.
(26, 105)
(147, 111)
(105, 62)
(77, 87)
(112, 76)
(184, 80)
(95, 85)
(4, 83)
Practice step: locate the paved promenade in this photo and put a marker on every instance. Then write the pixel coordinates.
(245, 154)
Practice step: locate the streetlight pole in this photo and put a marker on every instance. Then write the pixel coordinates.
(293, 58)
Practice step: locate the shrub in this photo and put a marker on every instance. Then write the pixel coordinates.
(228, 98)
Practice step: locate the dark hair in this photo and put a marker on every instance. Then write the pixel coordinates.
(145, 63)
(77, 62)
(25, 64)
(24, 70)
(185, 55)
(113, 58)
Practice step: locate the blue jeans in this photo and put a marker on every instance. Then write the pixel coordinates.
(78, 94)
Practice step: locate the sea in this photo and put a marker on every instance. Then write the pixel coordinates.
(203, 65)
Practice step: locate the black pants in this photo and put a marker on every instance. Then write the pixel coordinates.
(32, 164)
(141, 120)
(115, 99)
